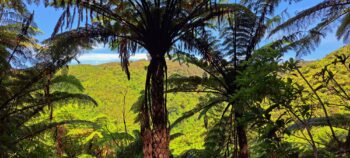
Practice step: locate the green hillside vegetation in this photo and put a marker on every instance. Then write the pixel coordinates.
(105, 133)
(341, 74)
(337, 105)
(107, 84)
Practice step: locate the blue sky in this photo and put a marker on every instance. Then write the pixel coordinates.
(46, 19)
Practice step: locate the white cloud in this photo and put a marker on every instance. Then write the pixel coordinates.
(139, 56)
(99, 46)
(99, 58)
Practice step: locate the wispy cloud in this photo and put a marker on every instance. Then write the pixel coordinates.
(100, 46)
(100, 58)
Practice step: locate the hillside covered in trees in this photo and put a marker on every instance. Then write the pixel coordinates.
(193, 129)
(116, 97)
(216, 83)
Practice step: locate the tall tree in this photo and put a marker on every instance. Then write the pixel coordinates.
(225, 59)
(153, 25)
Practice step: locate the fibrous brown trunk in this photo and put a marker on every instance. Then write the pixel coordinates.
(146, 132)
(159, 114)
(59, 145)
(158, 137)
(242, 137)
(147, 143)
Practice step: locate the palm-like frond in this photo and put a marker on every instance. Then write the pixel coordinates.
(343, 29)
(321, 17)
(18, 39)
(338, 120)
(25, 90)
(202, 108)
(67, 82)
(35, 129)
(134, 23)
(219, 137)
(17, 5)
(319, 10)
(73, 98)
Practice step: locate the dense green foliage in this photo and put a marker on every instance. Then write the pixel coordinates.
(220, 93)
(109, 87)
(107, 84)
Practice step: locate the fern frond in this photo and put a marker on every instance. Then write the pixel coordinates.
(202, 107)
(64, 97)
(33, 130)
(337, 120)
(67, 82)
(304, 17)
(343, 29)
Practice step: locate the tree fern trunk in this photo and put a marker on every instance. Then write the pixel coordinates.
(242, 137)
(59, 143)
(146, 132)
(159, 112)
(155, 141)
(147, 143)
